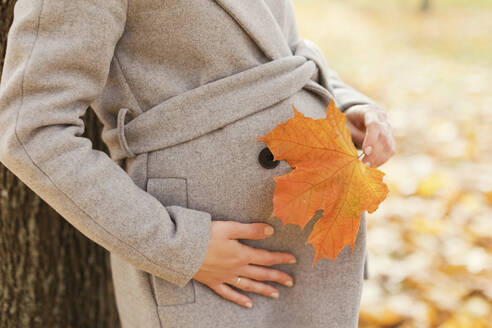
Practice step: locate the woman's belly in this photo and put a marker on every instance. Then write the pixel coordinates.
(221, 174)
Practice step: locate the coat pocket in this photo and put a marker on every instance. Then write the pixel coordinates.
(170, 191)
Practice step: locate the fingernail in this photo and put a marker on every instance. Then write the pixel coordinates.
(293, 261)
(249, 305)
(368, 150)
(274, 295)
(367, 164)
(268, 230)
(289, 283)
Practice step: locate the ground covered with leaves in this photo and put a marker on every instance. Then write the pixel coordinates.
(430, 241)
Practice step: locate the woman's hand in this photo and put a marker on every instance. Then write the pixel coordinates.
(371, 132)
(227, 259)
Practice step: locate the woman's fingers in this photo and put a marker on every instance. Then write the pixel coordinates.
(266, 274)
(355, 123)
(257, 287)
(381, 150)
(372, 121)
(226, 256)
(232, 295)
(356, 132)
(238, 230)
(388, 141)
(371, 138)
(265, 257)
(378, 145)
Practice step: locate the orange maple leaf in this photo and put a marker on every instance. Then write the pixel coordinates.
(328, 175)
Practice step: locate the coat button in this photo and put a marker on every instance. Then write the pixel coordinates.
(266, 159)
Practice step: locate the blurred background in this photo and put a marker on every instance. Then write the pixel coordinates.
(429, 64)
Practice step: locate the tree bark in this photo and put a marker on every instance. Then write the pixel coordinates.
(50, 274)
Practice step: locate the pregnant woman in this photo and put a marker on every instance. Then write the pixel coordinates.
(183, 89)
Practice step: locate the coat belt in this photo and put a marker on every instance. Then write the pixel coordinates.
(216, 104)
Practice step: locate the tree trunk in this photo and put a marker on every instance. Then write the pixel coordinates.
(50, 274)
(425, 6)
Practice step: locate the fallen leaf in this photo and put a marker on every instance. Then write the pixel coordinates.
(488, 197)
(328, 175)
(429, 186)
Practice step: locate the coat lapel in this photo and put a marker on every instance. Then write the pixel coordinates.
(255, 17)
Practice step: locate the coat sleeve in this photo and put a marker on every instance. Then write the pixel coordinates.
(57, 62)
(345, 95)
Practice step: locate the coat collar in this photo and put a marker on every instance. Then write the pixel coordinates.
(255, 17)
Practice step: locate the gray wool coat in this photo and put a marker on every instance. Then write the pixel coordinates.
(183, 89)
